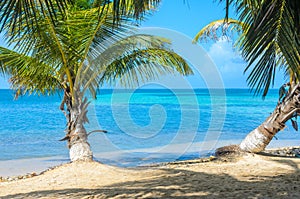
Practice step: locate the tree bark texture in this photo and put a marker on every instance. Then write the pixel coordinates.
(76, 135)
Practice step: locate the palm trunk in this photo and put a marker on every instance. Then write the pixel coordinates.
(76, 134)
(78, 142)
(259, 138)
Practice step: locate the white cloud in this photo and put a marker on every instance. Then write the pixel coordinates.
(229, 62)
(231, 65)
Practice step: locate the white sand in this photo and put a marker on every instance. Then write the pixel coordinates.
(252, 176)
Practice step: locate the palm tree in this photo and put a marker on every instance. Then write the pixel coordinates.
(78, 53)
(269, 39)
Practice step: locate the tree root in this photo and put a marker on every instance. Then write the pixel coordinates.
(230, 153)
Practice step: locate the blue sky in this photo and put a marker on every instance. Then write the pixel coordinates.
(188, 17)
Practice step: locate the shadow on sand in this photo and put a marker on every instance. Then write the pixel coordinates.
(177, 183)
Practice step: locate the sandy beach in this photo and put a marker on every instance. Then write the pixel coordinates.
(250, 176)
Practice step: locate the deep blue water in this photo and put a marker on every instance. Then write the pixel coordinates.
(31, 126)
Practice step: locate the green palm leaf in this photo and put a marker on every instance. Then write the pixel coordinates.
(137, 8)
(143, 65)
(150, 55)
(80, 47)
(18, 13)
(28, 74)
(269, 39)
(220, 28)
(21, 12)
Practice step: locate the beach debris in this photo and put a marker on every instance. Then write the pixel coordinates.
(211, 158)
(28, 175)
(20, 177)
(284, 152)
(183, 162)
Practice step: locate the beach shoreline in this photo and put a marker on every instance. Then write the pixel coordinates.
(128, 158)
(252, 175)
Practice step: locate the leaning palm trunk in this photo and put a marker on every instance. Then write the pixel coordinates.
(259, 138)
(76, 134)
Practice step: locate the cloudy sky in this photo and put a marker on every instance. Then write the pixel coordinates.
(187, 17)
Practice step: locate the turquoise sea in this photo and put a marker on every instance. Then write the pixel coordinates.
(145, 125)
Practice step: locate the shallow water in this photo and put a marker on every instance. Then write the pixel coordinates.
(143, 125)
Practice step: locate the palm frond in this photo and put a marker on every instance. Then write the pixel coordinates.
(143, 65)
(271, 39)
(137, 8)
(92, 39)
(43, 43)
(79, 47)
(15, 13)
(28, 74)
(220, 28)
(96, 70)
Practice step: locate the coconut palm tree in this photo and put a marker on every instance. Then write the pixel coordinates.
(269, 39)
(78, 53)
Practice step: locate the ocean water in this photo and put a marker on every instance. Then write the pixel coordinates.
(143, 125)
